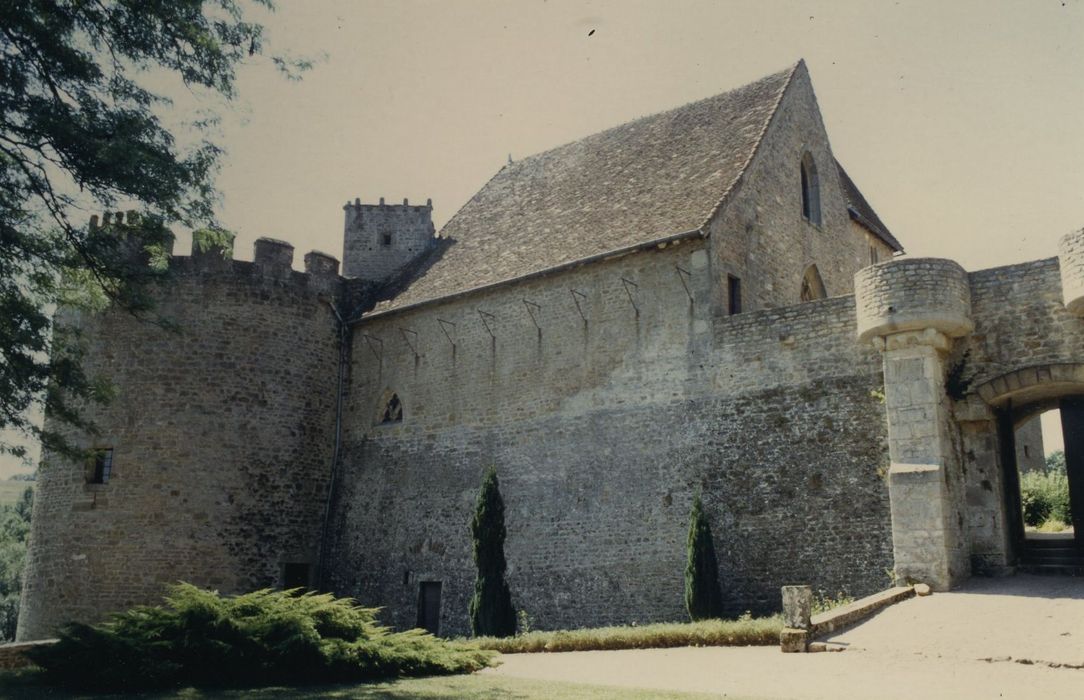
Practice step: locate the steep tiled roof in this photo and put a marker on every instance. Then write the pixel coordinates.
(862, 212)
(648, 179)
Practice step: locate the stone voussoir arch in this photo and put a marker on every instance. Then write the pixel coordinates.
(1032, 384)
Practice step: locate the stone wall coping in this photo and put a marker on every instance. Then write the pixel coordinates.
(838, 618)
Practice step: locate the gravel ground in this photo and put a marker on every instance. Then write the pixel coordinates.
(1018, 637)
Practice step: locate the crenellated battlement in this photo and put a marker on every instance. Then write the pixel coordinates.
(113, 219)
(405, 206)
(272, 261)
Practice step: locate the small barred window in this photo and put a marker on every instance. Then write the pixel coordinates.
(100, 466)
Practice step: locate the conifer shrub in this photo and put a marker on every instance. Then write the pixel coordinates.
(491, 611)
(199, 638)
(703, 596)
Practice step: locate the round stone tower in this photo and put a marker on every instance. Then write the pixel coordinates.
(211, 462)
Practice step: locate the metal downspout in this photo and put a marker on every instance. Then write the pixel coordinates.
(343, 329)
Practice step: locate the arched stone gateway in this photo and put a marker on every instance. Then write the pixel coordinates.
(1019, 396)
(1037, 384)
(967, 358)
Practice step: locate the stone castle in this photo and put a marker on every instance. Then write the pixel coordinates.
(699, 300)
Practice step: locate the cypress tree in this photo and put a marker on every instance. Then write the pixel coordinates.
(491, 611)
(703, 596)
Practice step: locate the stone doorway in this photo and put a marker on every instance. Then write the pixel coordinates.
(1034, 549)
(429, 606)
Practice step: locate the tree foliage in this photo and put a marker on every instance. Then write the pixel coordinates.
(14, 533)
(703, 596)
(80, 132)
(200, 638)
(491, 611)
(1055, 462)
(1045, 496)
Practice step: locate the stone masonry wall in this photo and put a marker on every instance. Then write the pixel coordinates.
(602, 431)
(1020, 321)
(762, 237)
(222, 436)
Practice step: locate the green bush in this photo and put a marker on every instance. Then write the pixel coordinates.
(1044, 496)
(200, 638)
(14, 532)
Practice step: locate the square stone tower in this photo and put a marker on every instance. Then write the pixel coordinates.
(381, 239)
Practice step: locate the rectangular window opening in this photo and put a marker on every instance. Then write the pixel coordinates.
(873, 257)
(101, 466)
(733, 294)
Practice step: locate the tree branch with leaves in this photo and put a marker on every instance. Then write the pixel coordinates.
(82, 130)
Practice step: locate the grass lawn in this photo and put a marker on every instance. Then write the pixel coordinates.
(11, 491)
(470, 687)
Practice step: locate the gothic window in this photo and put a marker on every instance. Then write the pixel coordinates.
(393, 410)
(812, 286)
(100, 465)
(811, 191)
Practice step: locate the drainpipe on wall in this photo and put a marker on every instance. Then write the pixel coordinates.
(343, 358)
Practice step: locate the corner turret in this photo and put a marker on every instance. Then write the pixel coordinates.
(381, 239)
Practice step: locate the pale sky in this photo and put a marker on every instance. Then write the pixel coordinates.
(960, 121)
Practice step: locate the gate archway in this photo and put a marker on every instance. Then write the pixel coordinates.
(1017, 397)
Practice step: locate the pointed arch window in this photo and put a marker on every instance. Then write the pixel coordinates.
(811, 190)
(812, 285)
(393, 411)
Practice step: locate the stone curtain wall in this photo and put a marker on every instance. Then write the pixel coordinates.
(762, 237)
(222, 438)
(601, 433)
(1020, 321)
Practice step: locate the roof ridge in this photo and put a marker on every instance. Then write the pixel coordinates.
(756, 146)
